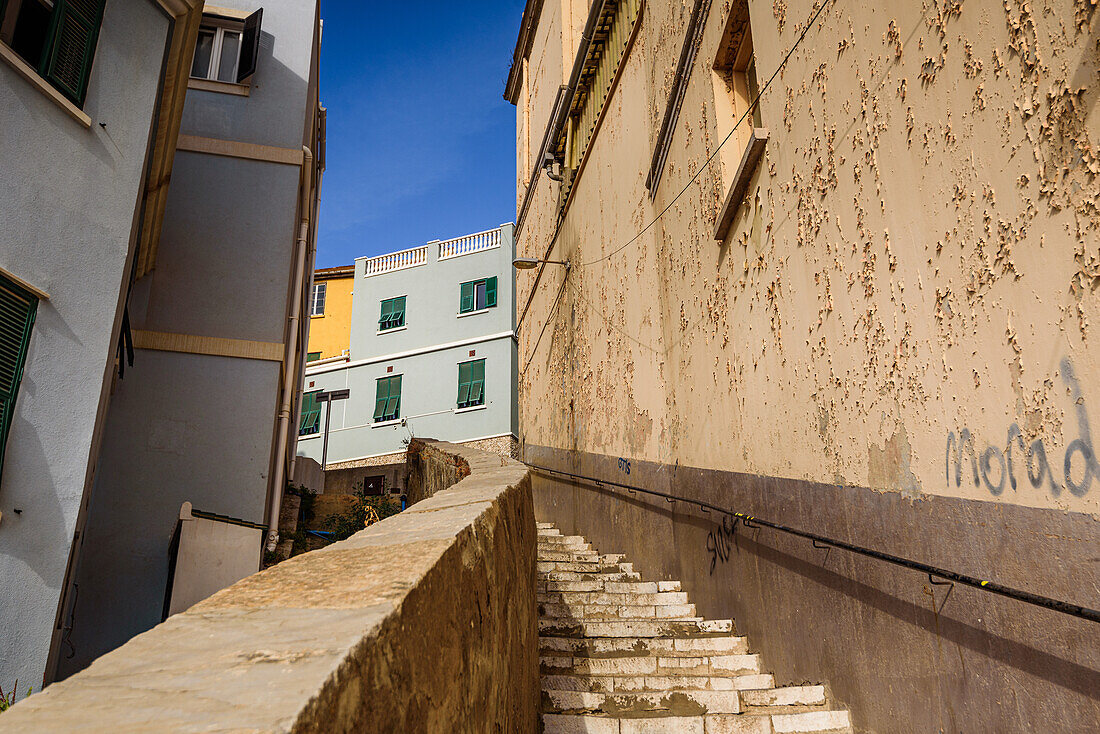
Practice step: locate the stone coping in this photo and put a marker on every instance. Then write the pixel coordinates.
(368, 634)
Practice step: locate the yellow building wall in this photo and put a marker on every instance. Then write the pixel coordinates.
(330, 333)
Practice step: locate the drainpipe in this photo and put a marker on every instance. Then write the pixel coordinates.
(290, 376)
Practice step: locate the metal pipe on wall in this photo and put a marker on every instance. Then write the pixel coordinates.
(290, 376)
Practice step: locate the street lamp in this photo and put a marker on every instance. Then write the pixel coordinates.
(526, 263)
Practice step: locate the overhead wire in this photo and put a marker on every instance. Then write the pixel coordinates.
(695, 177)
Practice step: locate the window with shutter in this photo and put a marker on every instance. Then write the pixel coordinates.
(478, 295)
(58, 38)
(17, 312)
(393, 313)
(311, 414)
(471, 382)
(387, 398)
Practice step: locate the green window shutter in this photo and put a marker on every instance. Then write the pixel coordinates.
(311, 414)
(387, 312)
(399, 311)
(477, 382)
(463, 384)
(393, 405)
(17, 312)
(312, 356)
(491, 292)
(67, 61)
(467, 302)
(381, 395)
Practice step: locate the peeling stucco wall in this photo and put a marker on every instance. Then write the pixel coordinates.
(907, 298)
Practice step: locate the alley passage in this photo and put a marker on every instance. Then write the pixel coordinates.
(624, 656)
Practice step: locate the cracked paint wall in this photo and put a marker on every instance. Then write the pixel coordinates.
(908, 298)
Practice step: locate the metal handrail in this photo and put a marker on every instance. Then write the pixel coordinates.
(750, 521)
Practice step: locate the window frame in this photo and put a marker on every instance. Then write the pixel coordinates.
(468, 292)
(220, 26)
(474, 373)
(387, 321)
(62, 15)
(382, 402)
(319, 289)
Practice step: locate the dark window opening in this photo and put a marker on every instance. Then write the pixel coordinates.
(55, 37)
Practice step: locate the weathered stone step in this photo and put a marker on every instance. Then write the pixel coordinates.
(616, 683)
(670, 628)
(589, 576)
(651, 665)
(815, 722)
(582, 567)
(691, 703)
(664, 646)
(568, 556)
(591, 597)
(624, 611)
(563, 542)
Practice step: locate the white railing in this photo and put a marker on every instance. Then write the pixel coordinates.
(396, 261)
(470, 243)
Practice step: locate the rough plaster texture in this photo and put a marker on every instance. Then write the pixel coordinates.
(891, 344)
(431, 469)
(423, 622)
(917, 255)
(68, 200)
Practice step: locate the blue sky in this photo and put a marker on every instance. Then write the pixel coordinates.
(421, 143)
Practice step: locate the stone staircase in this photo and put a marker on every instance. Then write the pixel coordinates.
(624, 656)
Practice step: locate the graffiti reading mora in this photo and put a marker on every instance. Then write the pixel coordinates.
(996, 468)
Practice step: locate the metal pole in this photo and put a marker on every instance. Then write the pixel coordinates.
(324, 449)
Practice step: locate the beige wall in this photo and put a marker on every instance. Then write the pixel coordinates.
(918, 254)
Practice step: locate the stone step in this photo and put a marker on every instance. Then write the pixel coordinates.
(582, 566)
(567, 556)
(669, 628)
(815, 722)
(589, 576)
(609, 587)
(651, 665)
(616, 683)
(563, 542)
(625, 611)
(596, 597)
(663, 646)
(638, 702)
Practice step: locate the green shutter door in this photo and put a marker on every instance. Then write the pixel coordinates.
(311, 414)
(67, 62)
(467, 302)
(17, 311)
(491, 292)
(387, 312)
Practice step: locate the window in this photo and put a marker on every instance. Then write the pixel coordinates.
(17, 310)
(387, 399)
(393, 314)
(56, 37)
(227, 49)
(736, 88)
(311, 414)
(477, 295)
(313, 356)
(471, 383)
(317, 299)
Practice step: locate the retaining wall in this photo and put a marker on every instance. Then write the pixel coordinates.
(423, 622)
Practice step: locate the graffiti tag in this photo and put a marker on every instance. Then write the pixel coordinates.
(996, 468)
(720, 540)
(624, 465)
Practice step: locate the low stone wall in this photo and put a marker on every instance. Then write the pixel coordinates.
(434, 466)
(423, 622)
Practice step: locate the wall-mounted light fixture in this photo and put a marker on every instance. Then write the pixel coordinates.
(526, 263)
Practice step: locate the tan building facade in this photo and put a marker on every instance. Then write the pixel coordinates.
(864, 308)
(330, 312)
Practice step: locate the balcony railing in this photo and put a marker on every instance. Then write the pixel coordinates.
(396, 261)
(470, 243)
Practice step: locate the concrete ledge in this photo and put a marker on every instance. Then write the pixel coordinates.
(423, 622)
